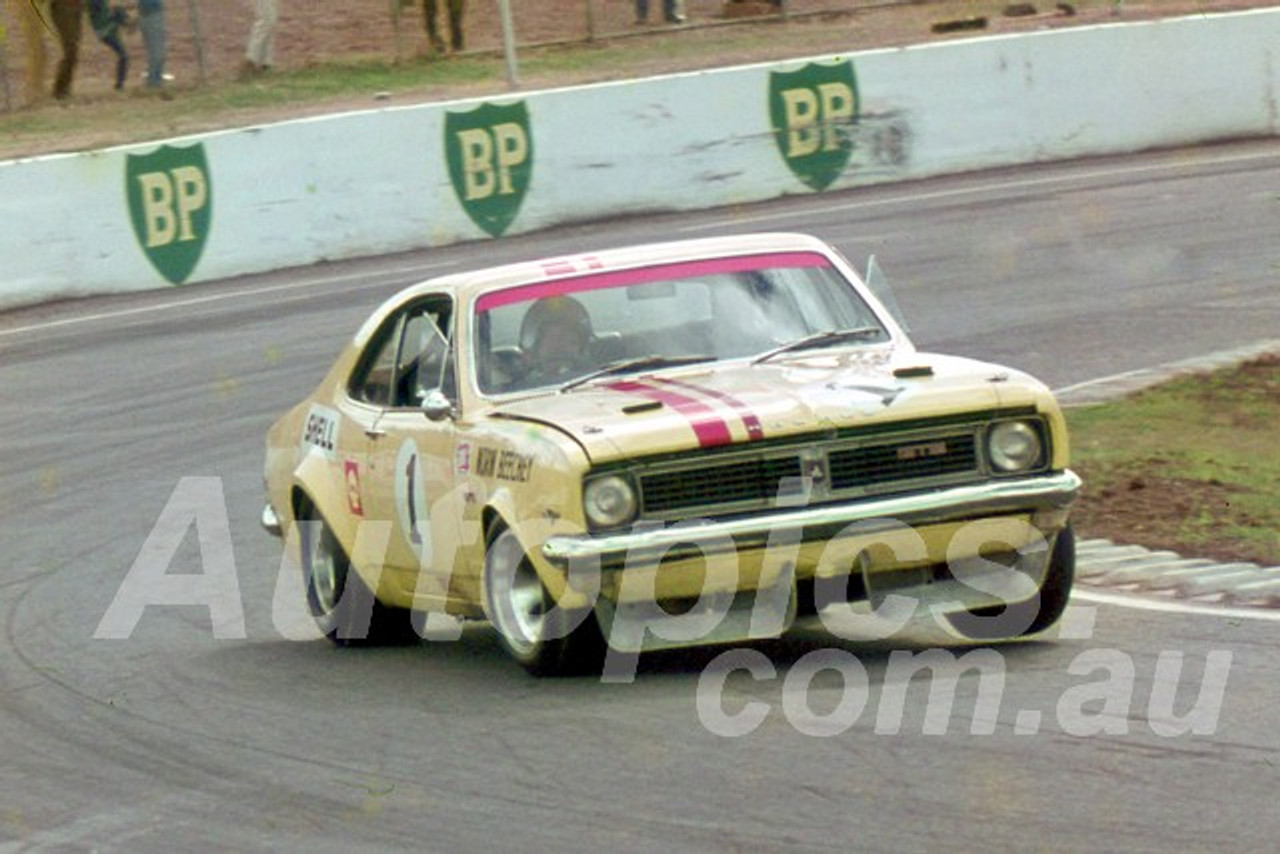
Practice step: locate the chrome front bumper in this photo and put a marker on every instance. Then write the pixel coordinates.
(1041, 493)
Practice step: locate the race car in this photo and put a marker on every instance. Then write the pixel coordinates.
(666, 445)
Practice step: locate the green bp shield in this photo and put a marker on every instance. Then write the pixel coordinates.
(171, 204)
(490, 155)
(813, 111)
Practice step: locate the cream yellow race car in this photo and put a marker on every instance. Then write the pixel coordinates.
(667, 445)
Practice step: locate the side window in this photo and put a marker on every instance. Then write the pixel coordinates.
(375, 372)
(410, 356)
(426, 355)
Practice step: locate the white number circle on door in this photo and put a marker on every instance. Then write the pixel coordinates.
(411, 500)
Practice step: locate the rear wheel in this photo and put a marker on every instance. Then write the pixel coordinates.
(344, 608)
(544, 639)
(1037, 613)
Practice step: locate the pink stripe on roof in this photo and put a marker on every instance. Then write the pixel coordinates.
(642, 275)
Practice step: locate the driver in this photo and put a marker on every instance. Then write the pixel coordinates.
(554, 336)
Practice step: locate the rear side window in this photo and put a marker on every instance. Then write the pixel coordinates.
(409, 356)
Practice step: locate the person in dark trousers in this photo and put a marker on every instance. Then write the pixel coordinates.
(151, 22)
(672, 11)
(456, 9)
(107, 22)
(66, 15)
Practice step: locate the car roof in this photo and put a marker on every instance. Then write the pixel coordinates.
(471, 283)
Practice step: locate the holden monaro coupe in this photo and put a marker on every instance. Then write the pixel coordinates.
(666, 445)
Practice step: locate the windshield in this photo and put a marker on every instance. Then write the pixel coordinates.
(553, 333)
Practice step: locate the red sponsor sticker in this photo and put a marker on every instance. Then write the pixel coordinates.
(352, 470)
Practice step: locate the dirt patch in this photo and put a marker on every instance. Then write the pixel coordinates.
(1188, 466)
(1153, 510)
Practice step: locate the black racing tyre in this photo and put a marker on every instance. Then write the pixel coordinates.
(1037, 613)
(344, 608)
(545, 640)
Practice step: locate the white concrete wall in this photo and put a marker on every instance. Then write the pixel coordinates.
(370, 182)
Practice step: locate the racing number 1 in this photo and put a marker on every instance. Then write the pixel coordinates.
(411, 475)
(412, 507)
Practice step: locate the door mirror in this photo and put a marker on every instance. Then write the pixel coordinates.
(437, 406)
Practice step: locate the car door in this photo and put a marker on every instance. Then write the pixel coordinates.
(405, 475)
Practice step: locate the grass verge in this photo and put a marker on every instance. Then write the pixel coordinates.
(1191, 465)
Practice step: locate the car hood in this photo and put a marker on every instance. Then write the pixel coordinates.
(708, 406)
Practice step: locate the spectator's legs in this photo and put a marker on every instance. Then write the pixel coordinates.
(122, 58)
(24, 12)
(429, 14)
(642, 11)
(67, 17)
(153, 36)
(261, 51)
(457, 10)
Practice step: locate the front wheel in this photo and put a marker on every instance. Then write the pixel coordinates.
(344, 608)
(544, 639)
(1037, 613)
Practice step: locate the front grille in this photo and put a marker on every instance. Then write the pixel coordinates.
(830, 466)
(755, 480)
(873, 465)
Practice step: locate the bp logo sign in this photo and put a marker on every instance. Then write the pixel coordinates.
(171, 204)
(814, 111)
(490, 155)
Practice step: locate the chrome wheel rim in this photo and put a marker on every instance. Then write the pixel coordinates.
(322, 568)
(516, 602)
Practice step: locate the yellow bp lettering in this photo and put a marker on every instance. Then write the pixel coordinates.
(801, 110)
(191, 193)
(813, 117)
(168, 202)
(157, 207)
(477, 163)
(837, 108)
(488, 156)
(513, 149)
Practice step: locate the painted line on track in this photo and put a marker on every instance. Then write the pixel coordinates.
(1136, 603)
(420, 270)
(959, 192)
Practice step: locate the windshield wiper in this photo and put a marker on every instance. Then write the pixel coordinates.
(638, 363)
(821, 339)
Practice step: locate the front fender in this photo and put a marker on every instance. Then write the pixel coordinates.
(532, 532)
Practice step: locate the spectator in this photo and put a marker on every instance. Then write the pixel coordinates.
(151, 22)
(107, 22)
(66, 16)
(32, 27)
(456, 10)
(260, 55)
(672, 11)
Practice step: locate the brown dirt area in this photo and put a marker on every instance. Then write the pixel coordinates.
(321, 31)
(1144, 503)
(1148, 509)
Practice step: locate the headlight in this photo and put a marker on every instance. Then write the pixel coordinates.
(609, 501)
(1014, 446)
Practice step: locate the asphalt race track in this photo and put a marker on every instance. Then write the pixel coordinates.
(212, 729)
